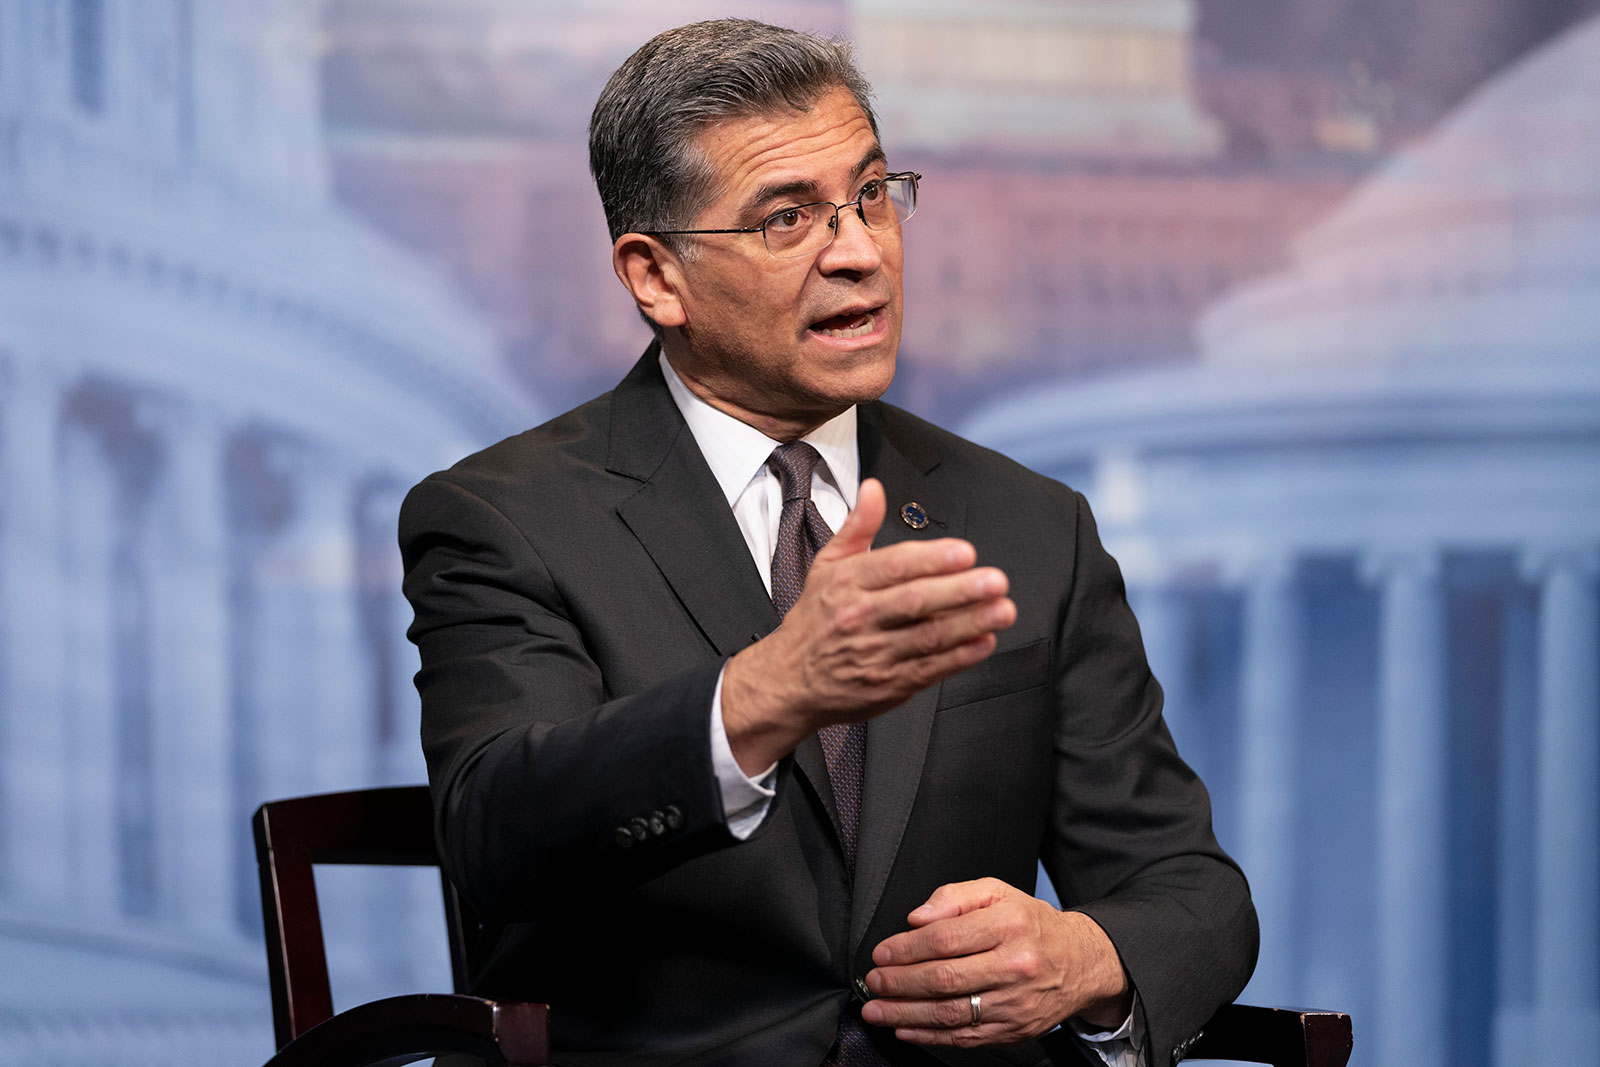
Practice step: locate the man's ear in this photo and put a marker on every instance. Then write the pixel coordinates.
(653, 273)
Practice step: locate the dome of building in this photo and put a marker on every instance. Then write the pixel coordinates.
(1456, 294)
(1480, 244)
(1363, 532)
(1081, 78)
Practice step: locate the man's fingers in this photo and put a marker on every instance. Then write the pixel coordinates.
(947, 939)
(958, 898)
(937, 1013)
(855, 535)
(910, 560)
(940, 978)
(924, 598)
(932, 636)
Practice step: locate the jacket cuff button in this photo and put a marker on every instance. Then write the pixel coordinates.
(623, 838)
(673, 816)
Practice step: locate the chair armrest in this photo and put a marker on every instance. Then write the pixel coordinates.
(399, 1030)
(1283, 1037)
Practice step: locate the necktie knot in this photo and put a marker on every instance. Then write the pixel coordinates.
(795, 463)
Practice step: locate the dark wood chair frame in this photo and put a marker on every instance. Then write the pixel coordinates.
(394, 827)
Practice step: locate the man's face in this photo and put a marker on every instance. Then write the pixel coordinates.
(786, 344)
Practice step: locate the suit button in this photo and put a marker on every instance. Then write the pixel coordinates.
(658, 823)
(623, 838)
(859, 986)
(673, 816)
(639, 829)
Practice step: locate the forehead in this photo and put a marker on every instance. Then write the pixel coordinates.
(824, 144)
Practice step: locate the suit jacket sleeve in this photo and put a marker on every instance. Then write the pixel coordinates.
(546, 786)
(1131, 843)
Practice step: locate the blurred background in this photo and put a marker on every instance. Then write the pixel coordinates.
(1305, 296)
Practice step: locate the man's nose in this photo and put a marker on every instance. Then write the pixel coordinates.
(854, 246)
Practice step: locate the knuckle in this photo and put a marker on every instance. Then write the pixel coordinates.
(876, 676)
(926, 670)
(949, 1013)
(945, 978)
(912, 603)
(848, 616)
(892, 567)
(926, 640)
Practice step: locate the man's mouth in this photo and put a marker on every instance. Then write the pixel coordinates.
(854, 324)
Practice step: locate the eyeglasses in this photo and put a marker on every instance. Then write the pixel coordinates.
(807, 229)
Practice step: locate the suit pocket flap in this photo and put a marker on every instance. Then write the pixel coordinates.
(1011, 671)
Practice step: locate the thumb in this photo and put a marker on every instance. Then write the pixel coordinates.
(860, 526)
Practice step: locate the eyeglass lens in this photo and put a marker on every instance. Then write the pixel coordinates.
(809, 228)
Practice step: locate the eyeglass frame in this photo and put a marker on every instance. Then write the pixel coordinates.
(833, 228)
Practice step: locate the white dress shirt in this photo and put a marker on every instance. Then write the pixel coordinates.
(737, 454)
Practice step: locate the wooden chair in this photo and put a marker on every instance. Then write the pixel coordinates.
(371, 827)
(395, 827)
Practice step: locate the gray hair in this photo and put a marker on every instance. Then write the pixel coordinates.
(643, 152)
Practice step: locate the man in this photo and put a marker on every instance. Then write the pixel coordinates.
(726, 803)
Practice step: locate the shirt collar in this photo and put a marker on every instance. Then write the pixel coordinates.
(737, 452)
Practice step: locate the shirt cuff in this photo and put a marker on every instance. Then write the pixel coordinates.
(1122, 1047)
(745, 800)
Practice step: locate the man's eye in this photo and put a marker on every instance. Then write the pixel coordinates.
(792, 219)
(871, 191)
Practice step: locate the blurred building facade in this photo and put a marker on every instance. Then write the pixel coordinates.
(462, 129)
(1080, 203)
(1360, 530)
(214, 387)
(1362, 536)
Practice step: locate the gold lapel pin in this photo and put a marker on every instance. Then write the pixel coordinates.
(913, 515)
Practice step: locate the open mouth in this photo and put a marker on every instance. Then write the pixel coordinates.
(853, 324)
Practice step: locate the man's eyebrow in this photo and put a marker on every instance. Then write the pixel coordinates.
(801, 189)
(874, 155)
(804, 189)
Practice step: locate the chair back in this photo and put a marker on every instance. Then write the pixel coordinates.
(367, 827)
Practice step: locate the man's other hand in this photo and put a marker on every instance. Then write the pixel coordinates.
(1032, 966)
(870, 629)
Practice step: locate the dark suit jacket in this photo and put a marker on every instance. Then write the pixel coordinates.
(577, 589)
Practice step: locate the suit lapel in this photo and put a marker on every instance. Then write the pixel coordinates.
(681, 517)
(897, 741)
(682, 520)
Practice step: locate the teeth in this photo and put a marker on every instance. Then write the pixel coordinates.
(861, 330)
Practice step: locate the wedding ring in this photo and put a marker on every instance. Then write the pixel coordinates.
(977, 1008)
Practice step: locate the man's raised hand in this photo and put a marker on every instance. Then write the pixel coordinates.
(870, 629)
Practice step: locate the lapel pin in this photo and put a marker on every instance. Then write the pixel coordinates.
(913, 515)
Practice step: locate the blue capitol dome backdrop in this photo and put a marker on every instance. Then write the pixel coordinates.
(1337, 409)
(1360, 534)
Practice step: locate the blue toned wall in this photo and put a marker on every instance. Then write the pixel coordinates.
(1385, 461)
(216, 385)
(1318, 341)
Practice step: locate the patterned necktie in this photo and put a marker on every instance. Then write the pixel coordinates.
(801, 533)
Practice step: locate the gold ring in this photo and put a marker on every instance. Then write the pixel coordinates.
(977, 1009)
